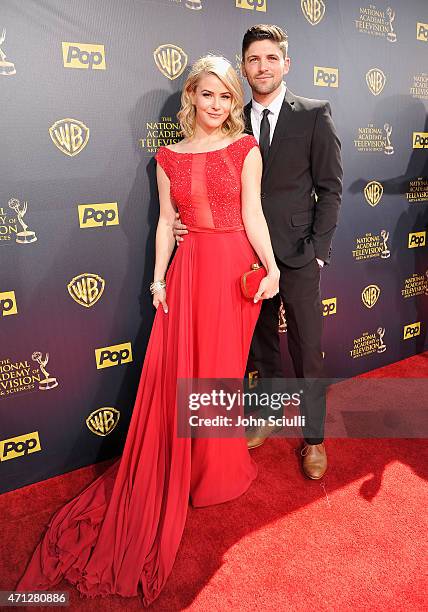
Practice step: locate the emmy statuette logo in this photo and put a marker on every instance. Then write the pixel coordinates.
(102, 421)
(412, 330)
(417, 239)
(20, 446)
(98, 215)
(375, 139)
(313, 10)
(26, 236)
(391, 36)
(329, 306)
(420, 140)
(376, 21)
(373, 192)
(110, 356)
(381, 346)
(388, 149)
(49, 382)
(86, 289)
(375, 80)
(171, 60)
(8, 303)
(371, 246)
(370, 295)
(70, 136)
(80, 55)
(422, 31)
(6, 68)
(258, 5)
(385, 252)
(326, 77)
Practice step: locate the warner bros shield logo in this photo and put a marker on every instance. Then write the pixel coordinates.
(375, 80)
(313, 10)
(86, 289)
(102, 421)
(370, 295)
(69, 135)
(171, 60)
(373, 192)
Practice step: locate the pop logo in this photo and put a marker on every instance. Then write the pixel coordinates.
(110, 356)
(420, 140)
(326, 77)
(8, 303)
(79, 55)
(417, 239)
(329, 306)
(259, 5)
(422, 31)
(19, 446)
(98, 215)
(412, 330)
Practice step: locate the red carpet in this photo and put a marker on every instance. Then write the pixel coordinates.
(356, 540)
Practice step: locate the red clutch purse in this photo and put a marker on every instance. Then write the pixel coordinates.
(250, 280)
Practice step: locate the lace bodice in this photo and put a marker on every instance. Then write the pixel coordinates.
(206, 187)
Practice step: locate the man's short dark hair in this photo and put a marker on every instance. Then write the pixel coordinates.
(265, 32)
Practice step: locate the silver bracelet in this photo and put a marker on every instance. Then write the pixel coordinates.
(157, 286)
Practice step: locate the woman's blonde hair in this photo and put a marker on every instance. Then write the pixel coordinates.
(220, 67)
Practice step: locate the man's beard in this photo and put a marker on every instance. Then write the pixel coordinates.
(265, 89)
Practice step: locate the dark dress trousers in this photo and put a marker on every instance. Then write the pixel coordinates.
(301, 194)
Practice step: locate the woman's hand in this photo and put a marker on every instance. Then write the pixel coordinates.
(269, 286)
(159, 297)
(179, 229)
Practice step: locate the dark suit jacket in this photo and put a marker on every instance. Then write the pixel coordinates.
(302, 181)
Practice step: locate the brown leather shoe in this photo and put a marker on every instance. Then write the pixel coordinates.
(259, 435)
(314, 462)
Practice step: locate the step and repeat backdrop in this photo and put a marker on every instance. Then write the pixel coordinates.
(89, 91)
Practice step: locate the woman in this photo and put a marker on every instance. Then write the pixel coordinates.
(124, 529)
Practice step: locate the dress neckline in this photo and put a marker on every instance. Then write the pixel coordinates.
(205, 152)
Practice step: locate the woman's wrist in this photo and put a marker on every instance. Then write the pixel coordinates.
(157, 285)
(273, 271)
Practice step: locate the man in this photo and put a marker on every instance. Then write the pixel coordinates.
(301, 194)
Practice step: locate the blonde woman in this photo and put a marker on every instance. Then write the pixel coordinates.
(123, 531)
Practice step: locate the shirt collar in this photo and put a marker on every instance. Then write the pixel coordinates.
(274, 106)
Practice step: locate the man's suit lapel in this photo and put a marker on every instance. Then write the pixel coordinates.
(280, 128)
(247, 118)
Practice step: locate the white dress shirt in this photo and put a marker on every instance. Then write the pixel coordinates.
(256, 118)
(274, 107)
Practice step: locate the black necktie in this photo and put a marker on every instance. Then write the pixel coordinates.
(264, 140)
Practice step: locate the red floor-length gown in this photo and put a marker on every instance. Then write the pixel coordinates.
(124, 529)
